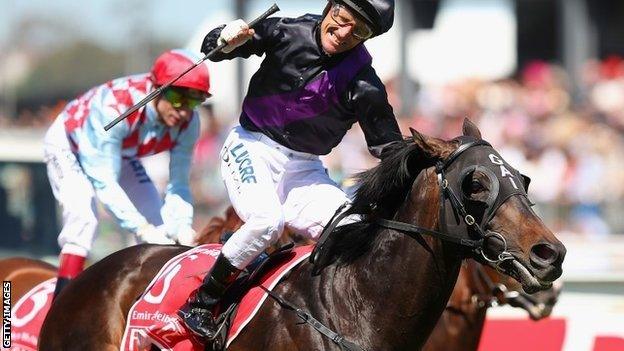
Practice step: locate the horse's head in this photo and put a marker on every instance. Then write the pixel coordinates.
(483, 205)
(490, 288)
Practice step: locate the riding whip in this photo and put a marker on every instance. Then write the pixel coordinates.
(273, 9)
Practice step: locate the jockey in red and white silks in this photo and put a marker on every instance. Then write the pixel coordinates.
(84, 161)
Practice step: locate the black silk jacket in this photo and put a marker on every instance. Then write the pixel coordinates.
(305, 99)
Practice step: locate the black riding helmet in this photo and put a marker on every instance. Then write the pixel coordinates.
(379, 14)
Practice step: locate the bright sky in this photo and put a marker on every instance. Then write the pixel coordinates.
(112, 22)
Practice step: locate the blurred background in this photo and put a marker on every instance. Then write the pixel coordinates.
(543, 79)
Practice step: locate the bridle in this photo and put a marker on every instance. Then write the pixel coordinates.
(475, 242)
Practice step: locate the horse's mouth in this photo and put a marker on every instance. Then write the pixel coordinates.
(529, 281)
(539, 311)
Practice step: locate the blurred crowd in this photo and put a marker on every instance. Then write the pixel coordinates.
(570, 145)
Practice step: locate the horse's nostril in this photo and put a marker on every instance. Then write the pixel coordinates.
(543, 254)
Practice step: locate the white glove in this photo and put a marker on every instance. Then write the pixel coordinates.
(152, 235)
(235, 33)
(186, 236)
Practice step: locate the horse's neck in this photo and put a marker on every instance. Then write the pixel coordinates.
(397, 290)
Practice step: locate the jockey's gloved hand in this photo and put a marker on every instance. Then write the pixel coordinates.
(153, 235)
(235, 33)
(186, 236)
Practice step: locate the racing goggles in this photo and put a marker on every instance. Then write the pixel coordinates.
(181, 97)
(343, 17)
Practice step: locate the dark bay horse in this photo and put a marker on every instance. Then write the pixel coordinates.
(386, 283)
(479, 288)
(24, 274)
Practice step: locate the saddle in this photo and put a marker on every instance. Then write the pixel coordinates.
(153, 319)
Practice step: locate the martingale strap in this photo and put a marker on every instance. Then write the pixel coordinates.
(338, 339)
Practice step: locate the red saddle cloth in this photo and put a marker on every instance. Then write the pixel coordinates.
(153, 318)
(28, 314)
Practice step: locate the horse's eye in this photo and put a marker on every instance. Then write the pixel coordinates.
(473, 185)
(476, 187)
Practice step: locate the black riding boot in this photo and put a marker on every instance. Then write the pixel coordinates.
(61, 283)
(197, 313)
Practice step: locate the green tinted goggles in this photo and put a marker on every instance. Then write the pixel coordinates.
(180, 97)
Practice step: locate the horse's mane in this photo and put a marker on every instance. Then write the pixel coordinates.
(380, 192)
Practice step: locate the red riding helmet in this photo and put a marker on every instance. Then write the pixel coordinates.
(173, 62)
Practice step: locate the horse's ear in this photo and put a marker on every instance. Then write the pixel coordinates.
(470, 129)
(527, 181)
(416, 136)
(421, 140)
(430, 146)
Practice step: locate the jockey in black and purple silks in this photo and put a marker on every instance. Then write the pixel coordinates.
(315, 82)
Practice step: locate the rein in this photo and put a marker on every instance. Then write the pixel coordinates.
(306, 317)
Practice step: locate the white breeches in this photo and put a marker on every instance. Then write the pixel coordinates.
(270, 187)
(76, 195)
